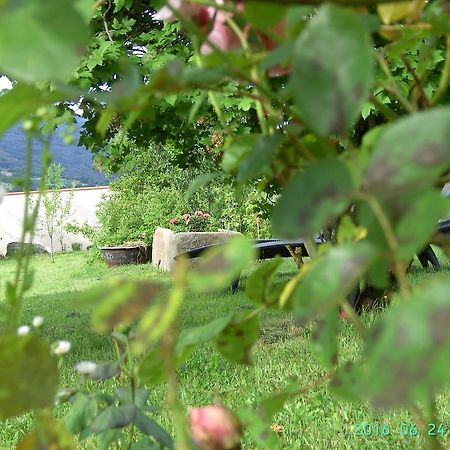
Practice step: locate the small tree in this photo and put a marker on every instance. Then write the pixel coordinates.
(56, 209)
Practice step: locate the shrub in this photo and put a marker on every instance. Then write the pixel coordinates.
(76, 247)
(154, 190)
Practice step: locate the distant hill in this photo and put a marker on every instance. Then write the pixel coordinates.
(77, 161)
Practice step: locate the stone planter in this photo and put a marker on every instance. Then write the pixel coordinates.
(167, 244)
(13, 249)
(122, 254)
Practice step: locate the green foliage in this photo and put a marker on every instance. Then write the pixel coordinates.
(259, 283)
(51, 434)
(26, 363)
(237, 339)
(313, 199)
(324, 339)
(428, 155)
(405, 353)
(284, 98)
(325, 282)
(22, 100)
(152, 190)
(221, 266)
(119, 303)
(330, 100)
(84, 409)
(57, 209)
(58, 28)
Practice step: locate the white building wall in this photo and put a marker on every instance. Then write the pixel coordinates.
(84, 205)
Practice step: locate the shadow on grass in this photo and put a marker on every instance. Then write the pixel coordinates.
(64, 319)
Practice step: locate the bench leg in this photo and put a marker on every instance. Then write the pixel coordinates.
(427, 256)
(234, 286)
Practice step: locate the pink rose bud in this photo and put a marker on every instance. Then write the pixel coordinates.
(173, 220)
(214, 427)
(186, 217)
(198, 214)
(206, 215)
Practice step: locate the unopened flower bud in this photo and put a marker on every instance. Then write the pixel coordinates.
(86, 367)
(62, 347)
(38, 321)
(28, 125)
(214, 427)
(23, 330)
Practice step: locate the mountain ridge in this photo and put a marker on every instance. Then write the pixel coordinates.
(76, 160)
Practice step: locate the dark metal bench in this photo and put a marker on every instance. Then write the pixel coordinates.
(269, 248)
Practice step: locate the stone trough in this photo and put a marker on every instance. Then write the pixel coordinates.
(168, 244)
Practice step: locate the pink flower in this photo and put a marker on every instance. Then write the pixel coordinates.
(213, 21)
(201, 14)
(198, 214)
(214, 427)
(173, 220)
(221, 35)
(186, 217)
(206, 215)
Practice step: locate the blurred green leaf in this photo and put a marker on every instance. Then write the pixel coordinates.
(151, 368)
(145, 444)
(201, 181)
(259, 158)
(348, 231)
(21, 101)
(236, 149)
(236, 340)
(157, 320)
(113, 417)
(258, 284)
(191, 337)
(347, 383)
(313, 199)
(105, 371)
(124, 394)
(332, 70)
(407, 349)
(423, 211)
(107, 438)
(41, 43)
(151, 428)
(119, 302)
(258, 422)
(428, 155)
(196, 106)
(176, 77)
(324, 343)
(265, 16)
(220, 266)
(104, 120)
(51, 435)
(81, 413)
(25, 363)
(329, 279)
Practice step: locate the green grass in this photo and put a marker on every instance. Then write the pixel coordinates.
(314, 420)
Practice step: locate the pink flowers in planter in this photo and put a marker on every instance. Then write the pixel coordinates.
(197, 221)
(214, 427)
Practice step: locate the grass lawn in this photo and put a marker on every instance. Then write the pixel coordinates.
(313, 421)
